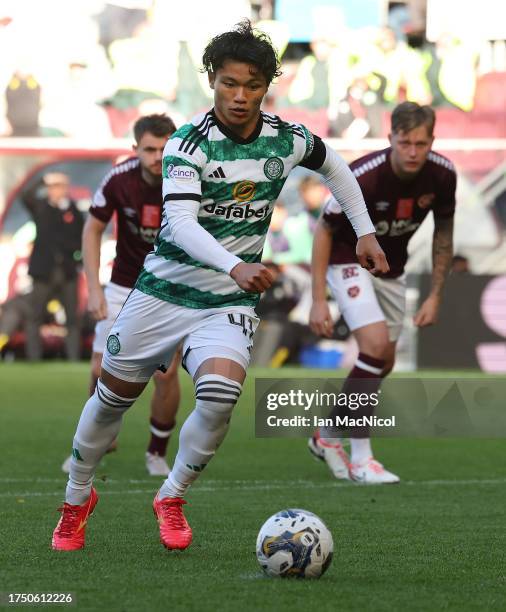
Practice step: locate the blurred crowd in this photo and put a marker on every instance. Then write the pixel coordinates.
(95, 67)
(54, 292)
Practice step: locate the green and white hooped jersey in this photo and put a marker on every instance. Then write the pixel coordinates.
(236, 182)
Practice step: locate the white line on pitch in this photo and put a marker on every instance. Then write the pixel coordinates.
(259, 486)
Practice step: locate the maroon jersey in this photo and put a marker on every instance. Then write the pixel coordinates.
(138, 209)
(397, 208)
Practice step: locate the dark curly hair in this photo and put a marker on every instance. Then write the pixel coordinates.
(243, 44)
(158, 125)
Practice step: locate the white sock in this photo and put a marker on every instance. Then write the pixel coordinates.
(202, 432)
(360, 450)
(98, 426)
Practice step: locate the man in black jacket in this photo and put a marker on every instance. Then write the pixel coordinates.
(54, 260)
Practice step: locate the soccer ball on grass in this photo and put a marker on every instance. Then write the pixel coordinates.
(294, 543)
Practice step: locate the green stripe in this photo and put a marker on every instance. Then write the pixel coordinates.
(183, 131)
(222, 228)
(263, 147)
(169, 251)
(178, 161)
(223, 192)
(188, 296)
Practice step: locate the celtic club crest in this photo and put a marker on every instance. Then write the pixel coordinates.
(273, 168)
(113, 345)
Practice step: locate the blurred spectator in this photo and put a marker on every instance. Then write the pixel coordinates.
(453, 73)
(54, 260)
(321, 78)
(116, 21)
(136, 73)
(22, 99)
(73, 109)
(13, 316)
(299, 228)
(280, 304)
(277, 243)
(460, 265)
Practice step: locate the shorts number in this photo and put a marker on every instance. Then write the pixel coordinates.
(244, 322)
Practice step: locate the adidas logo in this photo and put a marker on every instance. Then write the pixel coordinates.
(217, 173)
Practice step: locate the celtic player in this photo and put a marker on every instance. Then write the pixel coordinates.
(222, 174)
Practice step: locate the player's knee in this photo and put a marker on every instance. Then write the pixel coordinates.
(216, 397)
(375, 347)
(111, 406)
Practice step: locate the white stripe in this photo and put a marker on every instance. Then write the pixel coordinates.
(245, 485)
(160, 433)
(442, 161)
(99, 199)
(369, 165)
(197, 278)
(243, 244)
(368, 368)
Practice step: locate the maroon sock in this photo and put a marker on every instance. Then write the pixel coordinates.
(365, 377)
(160, 435)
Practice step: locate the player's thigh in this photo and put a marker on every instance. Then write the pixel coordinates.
(391, 294)
(145, 335)
(221, 344)
(115, 297)
(353, 290)
(165, 378)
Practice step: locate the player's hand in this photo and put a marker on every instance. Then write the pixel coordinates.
(252, 277)
(97, 304)
(320, 320)
(428, 312)
(371, 256)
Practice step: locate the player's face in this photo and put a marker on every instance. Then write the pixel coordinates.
(149, 150)
(239, 89)
(410, 150)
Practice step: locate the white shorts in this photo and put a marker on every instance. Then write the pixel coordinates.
(115, 296)
(364, 299)
(148, 331)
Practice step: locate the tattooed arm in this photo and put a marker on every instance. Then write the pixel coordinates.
(442, 253)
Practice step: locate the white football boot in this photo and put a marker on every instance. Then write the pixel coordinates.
(156, 465)
(372, 472)
(332, 453)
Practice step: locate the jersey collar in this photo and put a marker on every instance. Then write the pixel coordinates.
(233, 136)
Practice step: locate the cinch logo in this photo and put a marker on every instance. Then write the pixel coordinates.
(243, 191)
(181, 173)
(237, 212)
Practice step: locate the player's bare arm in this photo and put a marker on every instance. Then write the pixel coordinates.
(346, 191)
(320, 320)
(92, 240)
(442, 253)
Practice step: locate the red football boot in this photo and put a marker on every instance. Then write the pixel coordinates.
(71, 529)
(175, 533)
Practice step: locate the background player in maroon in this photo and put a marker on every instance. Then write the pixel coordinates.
(400, 185)
(132, 190)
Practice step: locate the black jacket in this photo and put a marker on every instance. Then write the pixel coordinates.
(58, 239)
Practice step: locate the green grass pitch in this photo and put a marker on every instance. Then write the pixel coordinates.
(434, 542)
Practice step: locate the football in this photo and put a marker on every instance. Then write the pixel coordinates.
(294, 543)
